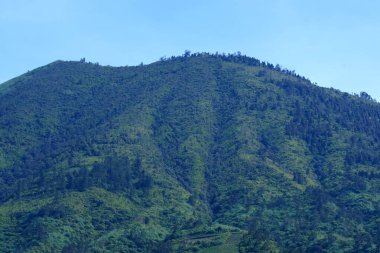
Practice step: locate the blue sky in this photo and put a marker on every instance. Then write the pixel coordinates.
(335, 43)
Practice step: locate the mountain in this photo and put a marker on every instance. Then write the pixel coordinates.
(197, 153)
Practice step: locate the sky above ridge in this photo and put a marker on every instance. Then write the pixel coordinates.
(333, 43)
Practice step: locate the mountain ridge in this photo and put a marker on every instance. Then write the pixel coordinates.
(157, 157)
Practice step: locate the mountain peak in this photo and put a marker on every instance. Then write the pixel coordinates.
(206, 152)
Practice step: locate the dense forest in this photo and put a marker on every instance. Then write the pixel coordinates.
(197, 153)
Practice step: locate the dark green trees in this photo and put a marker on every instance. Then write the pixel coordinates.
(114, 174)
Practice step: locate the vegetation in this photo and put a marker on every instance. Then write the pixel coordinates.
(197, 153)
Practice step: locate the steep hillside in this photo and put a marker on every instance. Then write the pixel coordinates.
(207, 153)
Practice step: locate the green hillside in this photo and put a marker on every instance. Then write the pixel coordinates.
(198, 153)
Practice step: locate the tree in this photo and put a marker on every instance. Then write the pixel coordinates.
(365, 95)
(83, 179)
(187, 53)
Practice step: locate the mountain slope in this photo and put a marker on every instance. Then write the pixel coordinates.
(200, 152)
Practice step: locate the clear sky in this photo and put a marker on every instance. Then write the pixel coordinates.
(335, 43)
